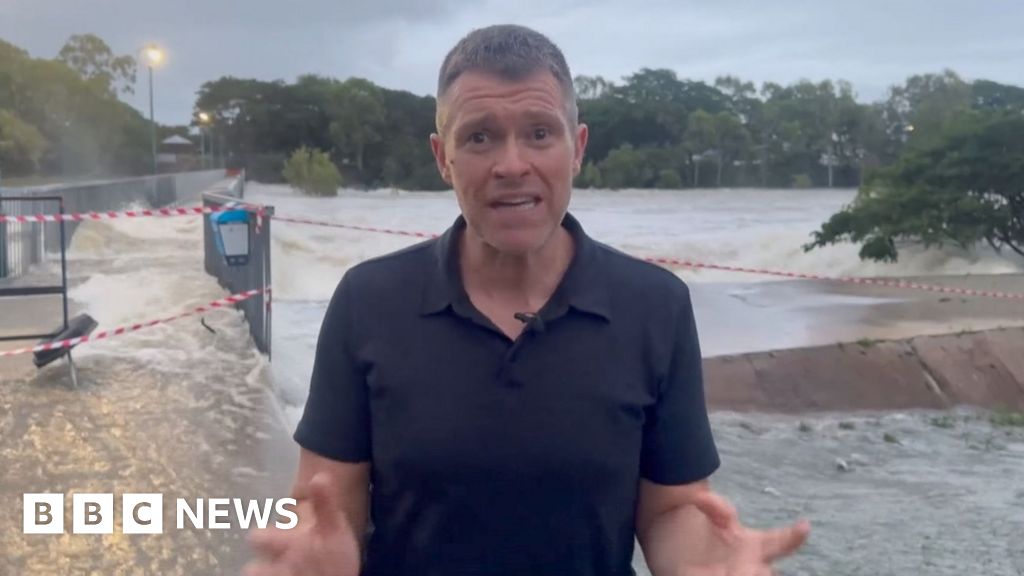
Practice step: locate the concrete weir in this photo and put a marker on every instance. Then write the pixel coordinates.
(983, 369)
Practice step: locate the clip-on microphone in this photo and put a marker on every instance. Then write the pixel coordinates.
(531, 319)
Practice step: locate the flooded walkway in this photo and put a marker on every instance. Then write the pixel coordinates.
(179, 410)
(193, 412)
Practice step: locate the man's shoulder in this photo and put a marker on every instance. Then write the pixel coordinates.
(393, 269)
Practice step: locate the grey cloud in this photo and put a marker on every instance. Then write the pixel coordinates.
(400, 43)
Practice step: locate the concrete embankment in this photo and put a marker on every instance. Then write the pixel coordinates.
(984, 369)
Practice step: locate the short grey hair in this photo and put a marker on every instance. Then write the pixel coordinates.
(511, 52)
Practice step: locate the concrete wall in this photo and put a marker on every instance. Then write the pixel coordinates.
(983, 369)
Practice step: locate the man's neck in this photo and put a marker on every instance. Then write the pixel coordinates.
(523, 282)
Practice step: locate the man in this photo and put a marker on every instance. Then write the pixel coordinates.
(522, 399)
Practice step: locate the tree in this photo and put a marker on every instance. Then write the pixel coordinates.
(669, 180)
(741, 96)
(87, 130)
(966, 187)
(93, 59)
(918, 112)
(701, 138)
(732, 141)
(624, 167)
(408, 123)
(21, 145)
(590, 177)
(988, 95)
(591, 87)
(811, 133)
(357, 114)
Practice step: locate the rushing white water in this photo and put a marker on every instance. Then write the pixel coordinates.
(735, 312)
(919, 497)
(897, 512)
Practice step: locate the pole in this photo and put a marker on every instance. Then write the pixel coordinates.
(152, 122)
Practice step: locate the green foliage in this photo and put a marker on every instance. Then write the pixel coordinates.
(721, 138)
(96, 63)
(357, 116)
(648, 124)
(623, 166)
(266, 167)
(312, 172)
(1008, 419)
(85, 130)
(923, 107)
(590, 177)
(21, 145)
(669, 179)
(960, 190)
(992, 96)
(802, 181)
(627, 167)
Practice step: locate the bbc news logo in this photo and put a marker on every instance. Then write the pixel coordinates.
(144, 513)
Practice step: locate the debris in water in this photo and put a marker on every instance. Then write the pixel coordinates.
(205, 325)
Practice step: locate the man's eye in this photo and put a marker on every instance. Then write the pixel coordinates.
(540, 133)
(477, 138)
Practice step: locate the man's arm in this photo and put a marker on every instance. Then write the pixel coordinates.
(352, 481)
(333, 499)
(688, 530)
(673, 531)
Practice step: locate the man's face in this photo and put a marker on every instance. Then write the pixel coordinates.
(510, 153)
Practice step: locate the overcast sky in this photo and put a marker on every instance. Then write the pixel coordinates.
(400, 43)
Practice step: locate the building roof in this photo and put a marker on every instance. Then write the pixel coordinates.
(178, 140)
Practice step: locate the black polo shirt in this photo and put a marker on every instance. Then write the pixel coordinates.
(493, 457)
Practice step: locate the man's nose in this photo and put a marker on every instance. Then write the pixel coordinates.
(512, 162)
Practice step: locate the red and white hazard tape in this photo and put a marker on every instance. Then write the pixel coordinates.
(216, 304)
(260, 212)
(841, 279)
(358, 228)
(703, 265)
(148, 213)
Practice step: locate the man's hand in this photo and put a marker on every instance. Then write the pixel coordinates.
(736, 550)
(323, 543)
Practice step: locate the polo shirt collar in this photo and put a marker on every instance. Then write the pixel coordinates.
(584, 286)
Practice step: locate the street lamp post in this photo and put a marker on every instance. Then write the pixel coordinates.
(204, 119)
(153, 56)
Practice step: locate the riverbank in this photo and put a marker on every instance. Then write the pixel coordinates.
(982, 369)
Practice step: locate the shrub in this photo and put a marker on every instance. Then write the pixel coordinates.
(669, 180)
(312, 172)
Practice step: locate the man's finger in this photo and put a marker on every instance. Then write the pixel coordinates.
(782, 542)
(745, 557)
(721, 513)
(324, 495)
(270, 542)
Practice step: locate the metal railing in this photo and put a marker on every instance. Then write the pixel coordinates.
(23, 245)
(255, 275)
(46, 205)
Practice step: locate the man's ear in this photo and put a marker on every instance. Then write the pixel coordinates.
(440, 157)
(580, 143)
